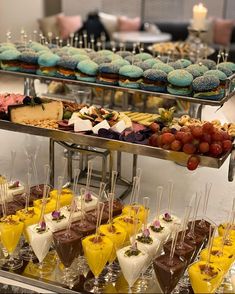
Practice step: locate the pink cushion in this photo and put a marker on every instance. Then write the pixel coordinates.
(68, 25)
(223, 31)
(127, 24)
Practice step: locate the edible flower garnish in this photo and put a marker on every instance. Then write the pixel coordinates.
(133, 250)
(13, 185)
(42, 227)
(167, 217)
(156, 226)
(88, 197)
(145, 237)
(56, 215)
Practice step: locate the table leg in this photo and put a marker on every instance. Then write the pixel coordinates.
(52, 161)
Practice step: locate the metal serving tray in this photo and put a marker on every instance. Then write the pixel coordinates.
(228, 93)
(113, 145)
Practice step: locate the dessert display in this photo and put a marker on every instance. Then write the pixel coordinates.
(136, 70)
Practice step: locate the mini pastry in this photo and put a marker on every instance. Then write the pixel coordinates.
(144, 56)
(199, 67)
(108, 73)
(47, 64)
(86, 71)
(154, 80)
(130, 76)
(207, 87)
(179, 82)
(211, 64)
(9, 60)
(28, 61)
(164, 67)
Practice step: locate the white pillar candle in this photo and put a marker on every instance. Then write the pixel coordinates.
(199, 16)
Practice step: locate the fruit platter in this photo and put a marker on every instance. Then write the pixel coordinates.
(187, 141)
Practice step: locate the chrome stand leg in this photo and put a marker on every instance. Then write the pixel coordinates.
(125, 103)
(52, 161)
(70, 167)
(134, 166)
(29, 89)
(104, 168)
(195, 110)
(145, 98)
(119, 163)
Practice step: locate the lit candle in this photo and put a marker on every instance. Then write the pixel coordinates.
(199, 16)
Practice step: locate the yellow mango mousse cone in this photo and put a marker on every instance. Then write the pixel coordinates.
(205, 278)
(116, 234)
(222, 229)
(128, 223)
(229, 244)
(97, 250)
(65, 197)
(28, 217)
(50, 206)
(11, 229)
(131, 210)
(222, 259)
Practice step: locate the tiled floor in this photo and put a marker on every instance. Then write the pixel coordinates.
(154, 171)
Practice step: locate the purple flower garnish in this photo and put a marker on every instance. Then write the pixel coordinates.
(88, 197)
(157, 224)
(134, 246)
(42, 227)
(55, 215)
(146, 233)
(13, 185)
(167, 217)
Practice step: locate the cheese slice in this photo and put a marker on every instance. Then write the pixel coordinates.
(119, 127)
(52, 110)
(82, 125)
(102, 125)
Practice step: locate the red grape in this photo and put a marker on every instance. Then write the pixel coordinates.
(204, 147)
(179, 135)
(189, 148)
(206, 138)
(197, 131)
(153, 140)
(187, 138)
(226, 145)
(226, 136)
(176, 145)
(208, 128)
(167, 138)
(154, 127)
(215, 149)
(193, 162)
(217, 136)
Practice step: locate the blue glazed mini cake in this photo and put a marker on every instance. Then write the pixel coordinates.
(164, 67)
(154, 80)
(108, 73)
(130, 76)
(29, 61)
(9, 60)
(48, 64)
(210, 64)
(207, 87)
(66, 67)
(179, 82)
(86, 71)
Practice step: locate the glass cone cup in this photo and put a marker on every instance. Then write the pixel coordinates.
(11, 230)
(97, 250)
(40, 241)
(68, 246)
(132, 262)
